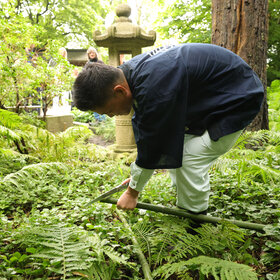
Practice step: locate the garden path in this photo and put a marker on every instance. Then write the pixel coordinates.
(99, 140)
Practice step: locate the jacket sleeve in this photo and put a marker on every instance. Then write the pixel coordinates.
(139, 177)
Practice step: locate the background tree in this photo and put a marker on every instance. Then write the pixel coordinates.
(273, 71)
(186, 20)
(16, 73)
(63, 20)
(25, 75)
(242, 27)
(190, 21)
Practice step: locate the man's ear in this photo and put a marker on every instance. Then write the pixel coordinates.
(120, 90)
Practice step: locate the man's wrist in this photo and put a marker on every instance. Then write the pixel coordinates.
(132, 192)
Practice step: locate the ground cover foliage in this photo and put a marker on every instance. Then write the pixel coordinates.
(49, 232)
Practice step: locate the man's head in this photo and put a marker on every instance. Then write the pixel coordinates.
(103, 89)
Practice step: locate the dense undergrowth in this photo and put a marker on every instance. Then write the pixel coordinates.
(49, 232)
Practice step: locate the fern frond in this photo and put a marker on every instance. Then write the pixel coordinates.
(75, 133)
(35, 183)
(225, 164)
(171, 241)
(221, 269)
(230, 162)
(102, 247)
(12, 161)
(9, 119)
(169, 269)
(7, 153)
(252, 138)
(67, 247)
(266, 173)
(189, 245)
(145, 266)
(143, 231)
(225, 230)
(105, 261)
(274, 138)
(9, 134)
(38, 169)
(207, 266)
(101, 272)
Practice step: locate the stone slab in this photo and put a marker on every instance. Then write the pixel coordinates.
(58, 123)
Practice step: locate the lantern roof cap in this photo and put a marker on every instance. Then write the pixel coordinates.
(123, 31)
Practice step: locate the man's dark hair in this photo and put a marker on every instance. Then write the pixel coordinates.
(94, 85)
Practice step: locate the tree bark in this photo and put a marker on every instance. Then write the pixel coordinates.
(242, 27)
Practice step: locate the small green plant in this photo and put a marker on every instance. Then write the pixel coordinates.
(83, 117)
(104, 127)
(273, 93)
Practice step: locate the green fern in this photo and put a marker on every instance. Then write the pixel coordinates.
(143, 232)
(68, 146)
(9, 119)
(263, 172)
(221, 269)
(233, 234)
(181, 250)
(8, 133)
(73, 251)
(34, 170)
(173, 240)
(75, 133)
(167, 270)
(257, 140)
(252, 139)
(13, 130)
(66, 247)
(12, 161)
(103, 271)
(206, 266)
(33, 183)
(260, 163)
(106, 259)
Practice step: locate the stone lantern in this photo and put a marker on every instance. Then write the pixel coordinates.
(124, 38)
(77, 57)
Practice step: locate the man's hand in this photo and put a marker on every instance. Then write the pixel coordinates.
(128, 199)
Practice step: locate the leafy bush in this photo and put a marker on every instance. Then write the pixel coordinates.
(104, 127)
(273, 93)
(80, 116)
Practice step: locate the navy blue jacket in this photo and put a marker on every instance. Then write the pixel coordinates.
(188, 88)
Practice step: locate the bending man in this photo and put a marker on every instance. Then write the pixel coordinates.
(191, 103)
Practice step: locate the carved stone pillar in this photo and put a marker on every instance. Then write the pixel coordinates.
(125, 141)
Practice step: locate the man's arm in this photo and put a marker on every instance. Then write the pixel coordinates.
(139, 178)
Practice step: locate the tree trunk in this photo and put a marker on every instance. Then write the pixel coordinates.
(242, 27)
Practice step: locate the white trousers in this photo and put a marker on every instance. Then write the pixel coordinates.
(192, 179)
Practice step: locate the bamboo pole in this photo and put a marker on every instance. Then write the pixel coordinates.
(184, 213)
(146, 269)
